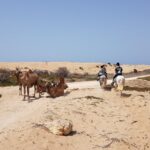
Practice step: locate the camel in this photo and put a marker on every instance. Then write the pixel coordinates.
(57, 89)
(18, 75)
(30, 79)
(43, 84)
(41, 88)
(27, 79)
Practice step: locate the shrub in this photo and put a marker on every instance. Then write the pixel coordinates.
(81, 68)
(7, 77)
(4, 75)
(62, 72)
(135, 70)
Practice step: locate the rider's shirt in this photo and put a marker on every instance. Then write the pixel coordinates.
(102, 72)
(118, 70)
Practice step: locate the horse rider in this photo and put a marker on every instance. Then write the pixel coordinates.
(102, 72)
(118, 72)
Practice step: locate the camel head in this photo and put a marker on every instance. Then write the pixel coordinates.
(62, 80)
(17, 73)
(65, 86)
(62, 83)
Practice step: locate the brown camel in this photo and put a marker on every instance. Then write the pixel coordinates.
(19, 74)
(27, 79)
(30, 79)
(57, 89)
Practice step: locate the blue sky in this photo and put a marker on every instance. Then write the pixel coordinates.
(75, 30)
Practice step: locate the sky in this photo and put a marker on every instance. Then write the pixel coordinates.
(75, 30)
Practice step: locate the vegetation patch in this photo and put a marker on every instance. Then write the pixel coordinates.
(146, 78)
(139, 89)
(7, 78)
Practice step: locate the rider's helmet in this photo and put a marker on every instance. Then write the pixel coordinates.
(117, 64)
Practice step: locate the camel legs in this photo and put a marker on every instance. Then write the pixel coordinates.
(24, 88)
(35, 90)
(20, 89)
(28, 93)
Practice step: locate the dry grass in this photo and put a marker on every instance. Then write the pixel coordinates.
(130, 88)
(139, 89)
(146, 78)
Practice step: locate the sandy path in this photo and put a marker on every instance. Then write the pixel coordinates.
(94, 84)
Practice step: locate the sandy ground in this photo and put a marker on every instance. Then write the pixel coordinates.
(101, 119)
(91, 68)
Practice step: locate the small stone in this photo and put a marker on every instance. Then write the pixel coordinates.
(60, 127)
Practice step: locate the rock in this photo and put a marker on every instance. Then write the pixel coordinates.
(60, 127)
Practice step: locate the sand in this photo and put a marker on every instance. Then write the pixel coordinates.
(101, 119)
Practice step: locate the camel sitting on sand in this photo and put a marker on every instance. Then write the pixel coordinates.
(57, 89)
(43, 84)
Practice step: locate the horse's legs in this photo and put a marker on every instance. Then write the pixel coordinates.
(105, 82)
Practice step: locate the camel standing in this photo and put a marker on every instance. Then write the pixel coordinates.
(27, 79)
(30, 79)
(19, 74)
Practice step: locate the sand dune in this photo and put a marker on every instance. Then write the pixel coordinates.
(91, 68)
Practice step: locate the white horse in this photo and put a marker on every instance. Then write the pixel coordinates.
(119, 83)
(103, 81)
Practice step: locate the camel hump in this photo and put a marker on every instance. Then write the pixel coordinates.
(27, 74)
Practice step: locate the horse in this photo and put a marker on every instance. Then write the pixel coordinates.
(119, 83)
(103, 81)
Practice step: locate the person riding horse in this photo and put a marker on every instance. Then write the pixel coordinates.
(118, 72)
(102, 72)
